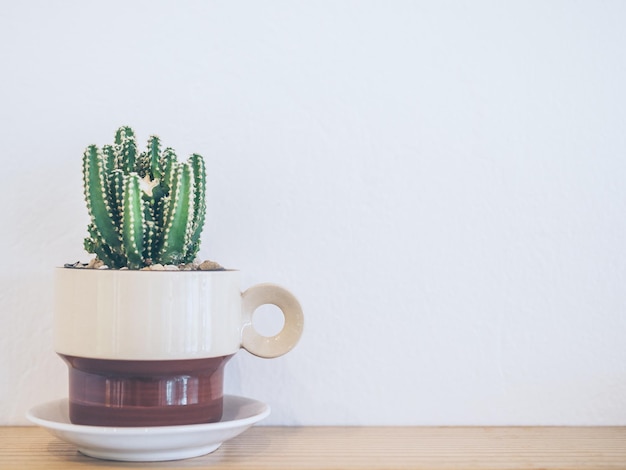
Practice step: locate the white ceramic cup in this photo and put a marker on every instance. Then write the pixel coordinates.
(148, 348)
(166, 315)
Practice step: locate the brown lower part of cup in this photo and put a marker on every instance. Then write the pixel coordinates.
(145, 393)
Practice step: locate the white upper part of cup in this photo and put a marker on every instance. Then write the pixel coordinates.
(147, 315)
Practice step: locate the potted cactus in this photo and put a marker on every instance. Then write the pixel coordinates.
(146, 208)
(149, 348)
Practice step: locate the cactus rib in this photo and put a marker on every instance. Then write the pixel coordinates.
(96, 197)
(177, 220)
(133, 221)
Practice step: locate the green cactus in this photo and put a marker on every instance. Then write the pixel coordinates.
(145, 208)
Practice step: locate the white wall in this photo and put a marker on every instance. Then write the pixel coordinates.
(440, 183)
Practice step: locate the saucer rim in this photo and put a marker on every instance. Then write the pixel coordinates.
(229, 401)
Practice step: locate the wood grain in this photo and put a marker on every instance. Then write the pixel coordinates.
(358, 448)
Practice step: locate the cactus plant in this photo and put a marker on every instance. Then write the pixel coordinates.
(145, 208)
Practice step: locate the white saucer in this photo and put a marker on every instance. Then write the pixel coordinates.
(150, 444)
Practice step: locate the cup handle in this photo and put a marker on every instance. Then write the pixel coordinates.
(287, 338)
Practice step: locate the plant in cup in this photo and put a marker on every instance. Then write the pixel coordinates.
(149, 348)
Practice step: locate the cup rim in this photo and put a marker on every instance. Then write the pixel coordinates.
(122, 270)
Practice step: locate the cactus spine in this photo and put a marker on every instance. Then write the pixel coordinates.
(145, 208)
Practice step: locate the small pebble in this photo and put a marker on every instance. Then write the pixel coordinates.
(171, 267)
(210, 266)
(77, 264)
(157, 267)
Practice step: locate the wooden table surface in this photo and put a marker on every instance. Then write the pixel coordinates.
(357, 448)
